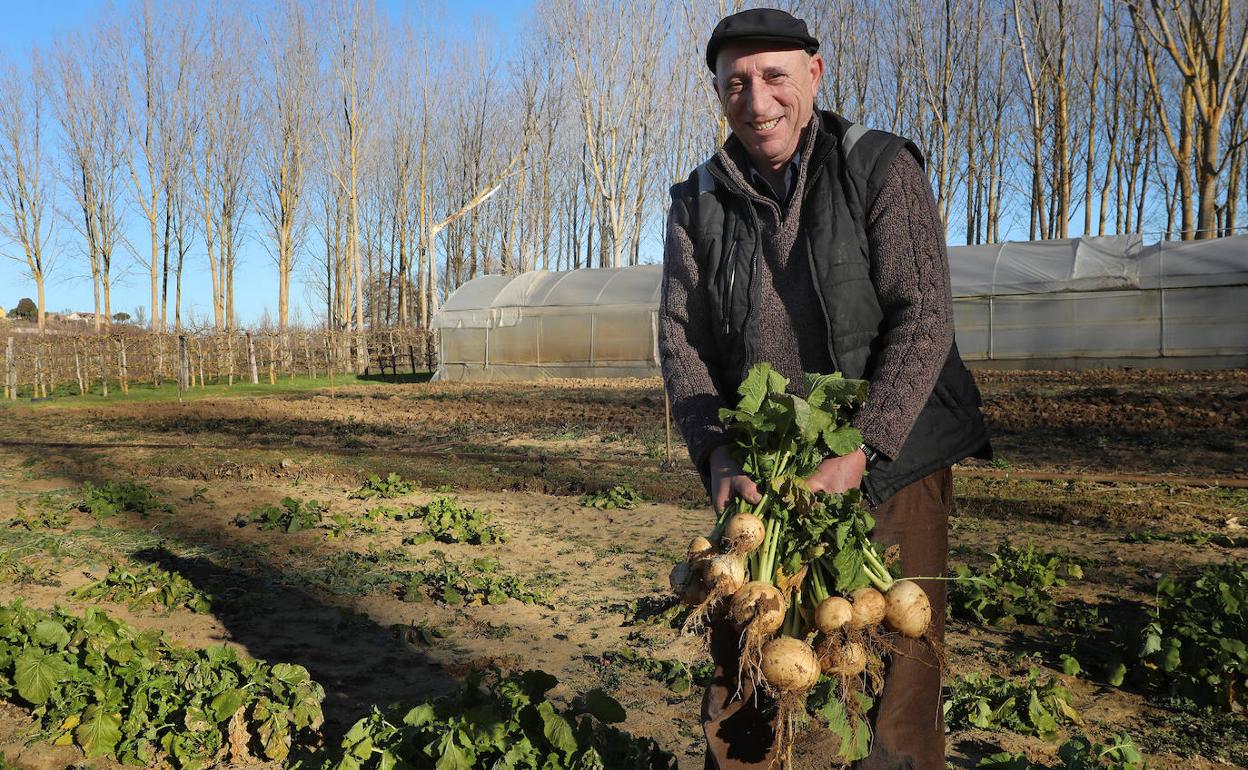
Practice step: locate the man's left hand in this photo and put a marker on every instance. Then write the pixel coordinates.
(838, 474)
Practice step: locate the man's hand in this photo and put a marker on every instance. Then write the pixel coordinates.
(729, 481)
(838, 474)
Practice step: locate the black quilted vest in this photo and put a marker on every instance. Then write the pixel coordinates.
(847, 169)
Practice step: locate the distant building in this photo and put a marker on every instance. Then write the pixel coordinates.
(2, 313)
(79, 317)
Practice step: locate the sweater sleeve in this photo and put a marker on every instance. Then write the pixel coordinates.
(687, 348)
(910, 270)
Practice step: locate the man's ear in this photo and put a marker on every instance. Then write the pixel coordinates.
(715, 90)
(816, 70)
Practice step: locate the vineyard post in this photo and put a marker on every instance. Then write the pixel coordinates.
(307, 353)
(329, 364)
(103, 367)
(251, 359)
(199, 352)
(82, 390)
(158, 375)
(184, 365)
(123, 371)
(38, 373)
(10, 369)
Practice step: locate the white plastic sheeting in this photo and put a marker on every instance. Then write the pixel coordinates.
(1073, 303)
(581, 323)
(1087, 302)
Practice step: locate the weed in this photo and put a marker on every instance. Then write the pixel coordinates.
(150, 586)
(390, 487)
(448, 522)
(294, 515)
(111, 498)
(620, 496)
(991, 702)
(1016, 587)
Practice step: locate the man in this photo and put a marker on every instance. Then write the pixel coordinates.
(814, 244)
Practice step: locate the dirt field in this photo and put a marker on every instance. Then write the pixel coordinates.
(526, 452)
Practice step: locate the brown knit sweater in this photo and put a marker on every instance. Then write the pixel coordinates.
(910, 271)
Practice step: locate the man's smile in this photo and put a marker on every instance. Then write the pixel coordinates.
(765, 125)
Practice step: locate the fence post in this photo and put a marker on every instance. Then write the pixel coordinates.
(272, 359)
(184, 365)
(10, 372)
(123, 370)
(251, 360)
(82, 390)
(103, 368)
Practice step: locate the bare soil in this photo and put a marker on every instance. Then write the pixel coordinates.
(525, 452)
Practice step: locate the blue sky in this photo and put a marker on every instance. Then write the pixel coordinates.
(25, 23)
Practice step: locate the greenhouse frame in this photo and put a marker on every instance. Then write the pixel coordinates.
(1057, 304)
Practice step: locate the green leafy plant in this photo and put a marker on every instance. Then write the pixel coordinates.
(47, 515)
(991, 702)
(853, 731)
(15, 569)
(510, 724)
(293, 515)
(678, 677)
(1119, 753)
(361, 573)
(390, 487)
(113, 497)
(119, 692)
(149, 587)
(663, 610)
(1195, 640)
(471, 582)
(343, 524)
(1015, 587)
(448, 522)
(618, 497)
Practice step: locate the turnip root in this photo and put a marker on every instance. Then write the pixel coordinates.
(700, 549)
(687, 585)
(721, 577)
(758, 605)
(679, 577)
(907, 609)
(832, 614)
(744, 533)
(789, 665)
(847, 659)
(868, 608)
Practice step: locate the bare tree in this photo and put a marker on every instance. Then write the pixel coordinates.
(89, 113)
(285, 121)
(25, 183)
(1209, 54)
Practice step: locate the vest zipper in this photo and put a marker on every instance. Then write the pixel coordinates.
(732, 279)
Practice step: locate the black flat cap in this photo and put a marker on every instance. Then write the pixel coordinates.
(759, 24)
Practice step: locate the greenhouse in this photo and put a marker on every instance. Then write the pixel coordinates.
(1073, 303)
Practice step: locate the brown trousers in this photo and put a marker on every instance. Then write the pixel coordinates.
(907, 723)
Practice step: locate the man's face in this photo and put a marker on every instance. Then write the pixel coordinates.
(768, 97)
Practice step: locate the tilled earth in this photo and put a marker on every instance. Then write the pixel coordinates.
(525, 452)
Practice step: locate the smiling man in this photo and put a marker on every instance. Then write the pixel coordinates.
(813, 243)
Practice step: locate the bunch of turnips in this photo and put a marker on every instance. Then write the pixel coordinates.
(796, 575)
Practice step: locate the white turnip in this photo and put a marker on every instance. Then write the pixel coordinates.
(832, 614)
(744, 533)
(907, 609)
(868, 608)
(789, 665)
(759, 606)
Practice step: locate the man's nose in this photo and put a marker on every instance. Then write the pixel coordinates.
(757, 98)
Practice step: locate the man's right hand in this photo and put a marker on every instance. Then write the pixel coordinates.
(728, 481)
